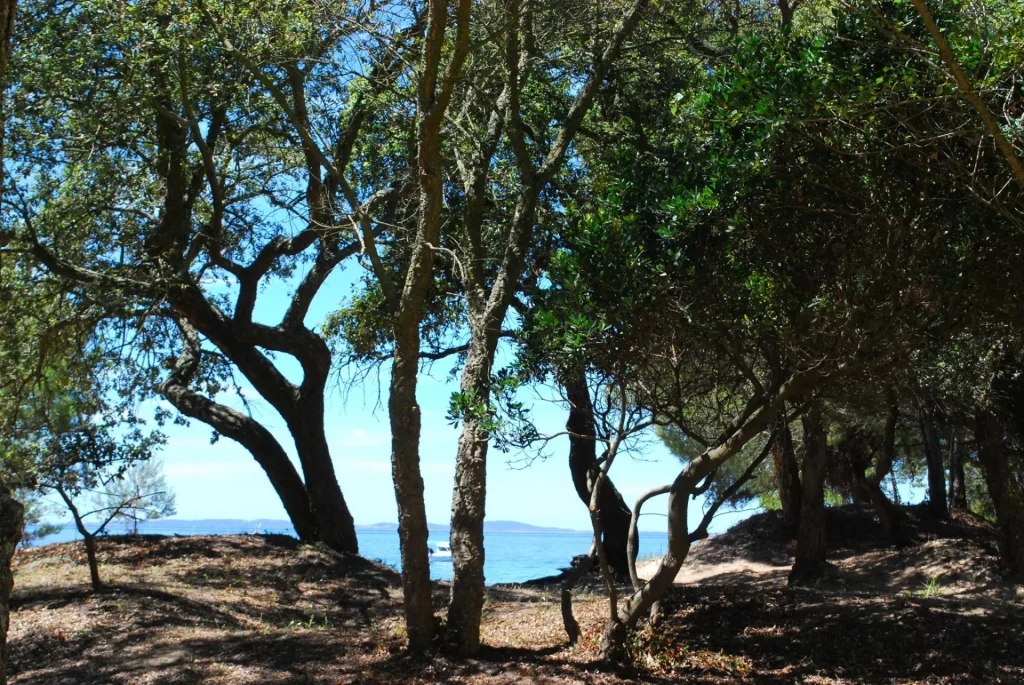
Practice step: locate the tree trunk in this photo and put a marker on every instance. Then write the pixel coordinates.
(405, 468)
(87, 537)
(8, 9)
(90, 554)
(890, 515)
(1006, 490)
(613, 640)
(263, 447)
(244, 430)
(615, 515)
(334, 521)
(572, 628)
(754, 420)
(12, 525)
(933, 459)
(811, 547)
(957, 477)
(787, 473)
(468, 503)
(487, 313)
(12, 513)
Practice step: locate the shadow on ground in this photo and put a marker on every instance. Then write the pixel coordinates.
(796, 634)
(254, 609)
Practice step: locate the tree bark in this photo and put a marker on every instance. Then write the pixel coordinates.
(434, 94)
(12, 513)
(90, 554)
(615, 515)
(933, 459)
(468, 504)
(301, 407)
(614, 637)
(572, 628)
(810, 563)
(334, 521)
(1006, 490)
(957, 477)
(404, 412)
(756, 417)
(787, 473)
(88, 538)
(244, 430)
(487, 312)
(8, 8)
(12, 525)
(890, 515)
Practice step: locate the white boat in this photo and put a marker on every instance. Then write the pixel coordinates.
(443, 552)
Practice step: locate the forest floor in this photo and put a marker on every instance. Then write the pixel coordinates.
(264, 609)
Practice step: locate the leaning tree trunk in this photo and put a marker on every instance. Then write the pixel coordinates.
(933, 459)
(754, 420)
(787, 473)
(888, 513)
(1006, 490)
(12, 525)
(90, 555)
(615, 516)
(614, 637)
(88, 538)
(301, 407)
(811, 547)
(334, 521)
(244, 430)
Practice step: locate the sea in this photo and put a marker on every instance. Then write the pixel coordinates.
(510, 557)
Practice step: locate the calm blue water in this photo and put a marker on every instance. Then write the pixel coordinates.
(510, 557)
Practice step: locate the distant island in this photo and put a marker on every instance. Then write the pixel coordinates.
(206, 526)
(489, 527)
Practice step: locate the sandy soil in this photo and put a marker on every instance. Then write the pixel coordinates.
(253, 609)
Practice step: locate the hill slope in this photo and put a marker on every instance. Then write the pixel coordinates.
(264, 609)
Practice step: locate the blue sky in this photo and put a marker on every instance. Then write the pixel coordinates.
(222, 481)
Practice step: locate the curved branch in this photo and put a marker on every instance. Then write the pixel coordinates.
(633, 543)
(702, 530)
(244, 430)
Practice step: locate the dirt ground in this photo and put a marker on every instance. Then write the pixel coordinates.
(264, 609)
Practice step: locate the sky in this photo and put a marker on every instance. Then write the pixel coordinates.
(223, 481)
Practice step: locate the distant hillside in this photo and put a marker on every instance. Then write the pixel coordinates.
(208, 525)
(489, 527)
(235, 526)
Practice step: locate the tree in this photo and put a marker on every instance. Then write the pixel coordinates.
(83, 450)
(141, 494)
(206, 182)
(746, 260)
(585, 468)
(787, 475)
(811, 543)
(512, 127)
(536, 159)
(12, 512)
